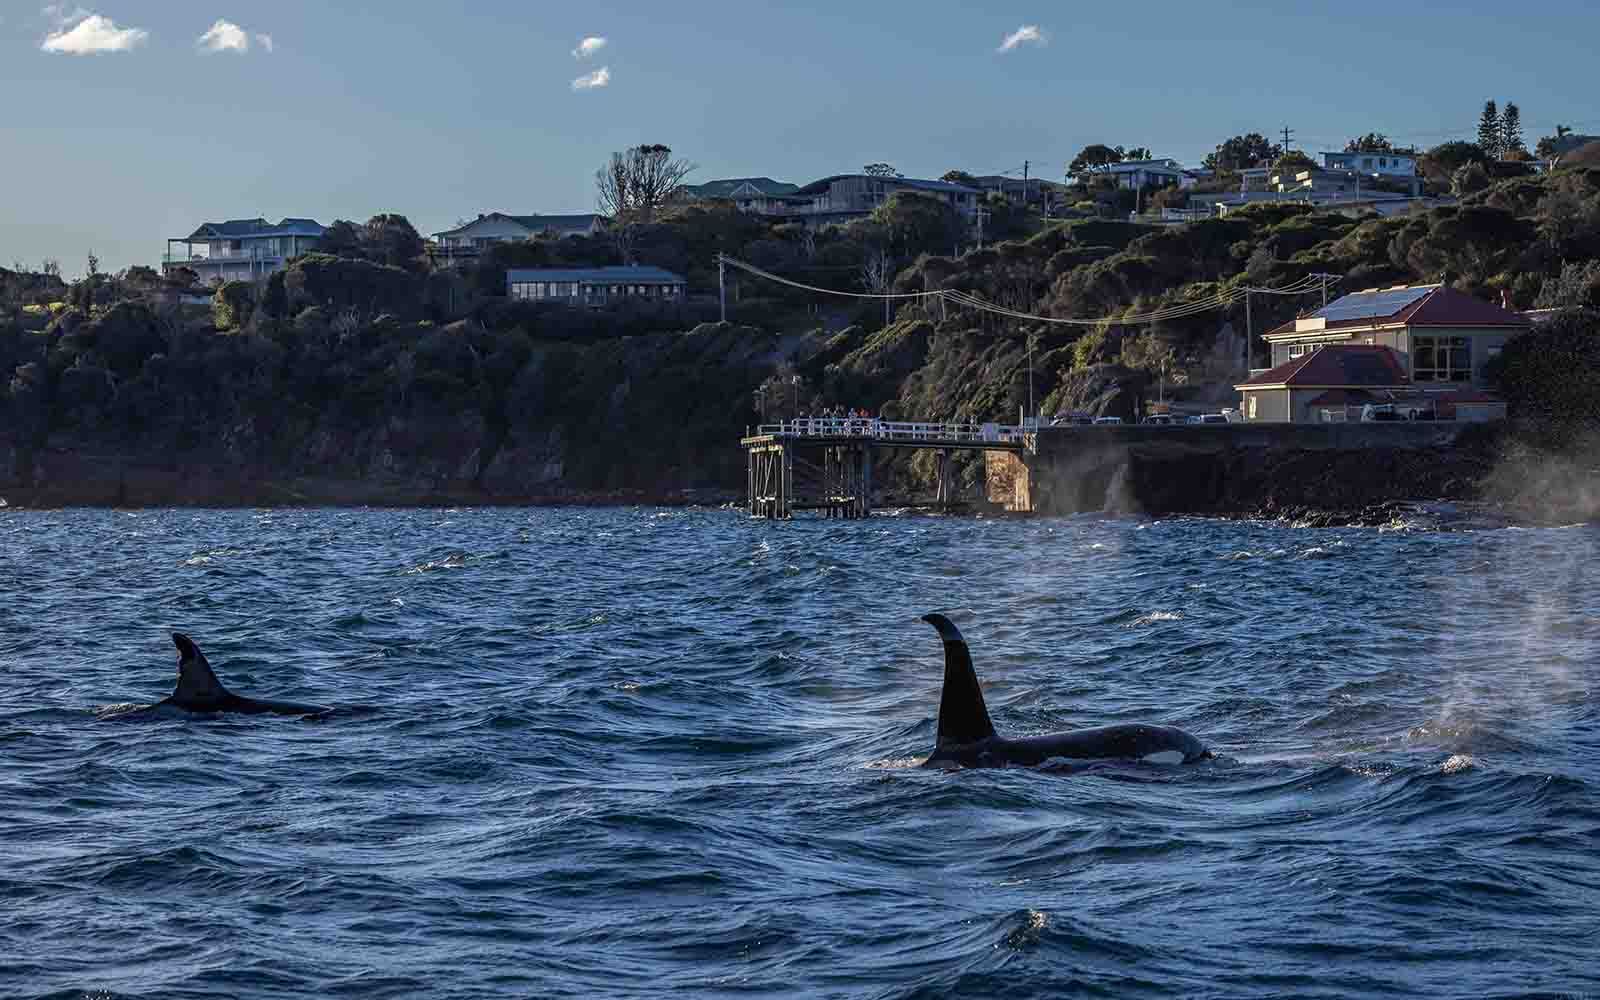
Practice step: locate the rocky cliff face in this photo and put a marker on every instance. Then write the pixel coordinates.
(1331, 474)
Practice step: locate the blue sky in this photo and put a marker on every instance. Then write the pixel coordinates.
(443, 111)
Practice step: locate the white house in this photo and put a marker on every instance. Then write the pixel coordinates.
(464, 243)
(1372, 164)
(242, 249)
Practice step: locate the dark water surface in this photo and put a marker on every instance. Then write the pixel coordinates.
(641, 753)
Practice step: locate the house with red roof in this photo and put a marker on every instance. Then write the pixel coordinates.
(1333, 377)
(1442, 337)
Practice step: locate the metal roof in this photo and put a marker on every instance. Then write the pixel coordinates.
(1337, 365)
(533, 223)
(253, 228)
(726, 187)
(598, 275)
(817, 187)
(1416, 305)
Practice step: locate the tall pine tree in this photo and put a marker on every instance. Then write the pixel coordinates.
(1489, 132)
(1511, 131)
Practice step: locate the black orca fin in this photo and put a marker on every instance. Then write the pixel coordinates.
(963, 717)
(197, 683)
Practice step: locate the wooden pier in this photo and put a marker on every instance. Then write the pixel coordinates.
(826, 464)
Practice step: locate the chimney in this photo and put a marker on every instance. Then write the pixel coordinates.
(1505, 300)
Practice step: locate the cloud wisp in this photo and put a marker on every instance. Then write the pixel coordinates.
(85, 34)
(589, 47)
(225, 36)
(1028, 34)
(592, 81)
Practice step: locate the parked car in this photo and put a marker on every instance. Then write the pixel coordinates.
(1107, 421)
(1208, 418)
(1374, 413)
(1159, 420)
(1071, 420)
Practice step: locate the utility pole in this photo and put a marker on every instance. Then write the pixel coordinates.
(1287, 132)
(1025, 165)
(722, 284)
(1249, 333)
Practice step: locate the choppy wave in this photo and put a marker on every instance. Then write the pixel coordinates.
(643, 752)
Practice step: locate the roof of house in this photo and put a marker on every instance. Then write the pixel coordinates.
(240, 228)
(533, 223)
(818, 186)
(1343, 366)
(577, 220)
(619, 275)
(1415, 305)
(726, 187)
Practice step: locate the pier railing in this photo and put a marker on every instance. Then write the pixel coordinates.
(895, 430)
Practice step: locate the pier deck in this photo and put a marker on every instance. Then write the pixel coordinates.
(826, 464)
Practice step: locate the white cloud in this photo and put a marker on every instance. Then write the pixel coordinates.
(589, 46)
(225, 36)
(265, 40)
(90, 35)
(1028, 34)
(589, 81)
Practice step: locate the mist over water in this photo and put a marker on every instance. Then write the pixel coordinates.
(640, 752)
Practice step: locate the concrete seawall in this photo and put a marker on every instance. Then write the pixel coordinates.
(1240, 468)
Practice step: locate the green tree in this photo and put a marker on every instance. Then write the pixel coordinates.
(880, 170)
(1240, 152)
(391, 240)
(342, 239)
(1138, 153)
(1372, 142)
(1553, 370)
(914, 224)
(1295, 160)
(232, 305)
(1511, 131)
(275, 300)
(1490, 131)
(959, 177)
(1440, 163)
(1094, 158)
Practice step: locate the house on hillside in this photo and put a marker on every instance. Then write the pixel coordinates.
(1442, 336)
(1387, 164)
(454, 247)
(241, 249)
(1135, 175)
(1337, 383)
(845, 197)
(595, 286)
(1338, 375)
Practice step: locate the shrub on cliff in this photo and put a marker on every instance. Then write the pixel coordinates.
(233, 304)
(341, 285)
(1552, 372)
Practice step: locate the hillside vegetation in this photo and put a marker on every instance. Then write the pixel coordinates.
(347, 366)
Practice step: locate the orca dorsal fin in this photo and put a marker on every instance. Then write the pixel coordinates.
(197, 683)
(963, 717)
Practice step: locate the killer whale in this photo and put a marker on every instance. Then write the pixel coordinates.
(199, 691)
(967, 738)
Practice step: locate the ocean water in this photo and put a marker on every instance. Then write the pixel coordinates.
(641, 753)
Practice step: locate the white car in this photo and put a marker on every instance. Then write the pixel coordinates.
(1107, 421)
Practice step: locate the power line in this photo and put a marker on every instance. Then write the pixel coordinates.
(1210, 303)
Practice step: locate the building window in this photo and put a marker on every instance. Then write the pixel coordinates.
(1441, 359)
(1301, 350)
(1252, 406)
